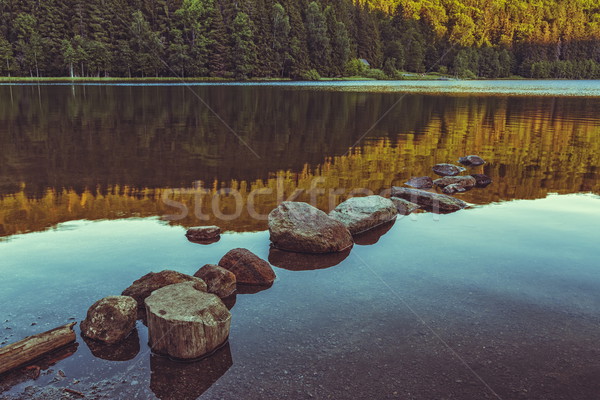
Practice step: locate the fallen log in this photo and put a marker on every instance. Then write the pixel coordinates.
(27, 350)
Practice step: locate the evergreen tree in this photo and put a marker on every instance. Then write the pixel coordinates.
(280, 38)
(318, 40)
(6, 56)
(243, 50)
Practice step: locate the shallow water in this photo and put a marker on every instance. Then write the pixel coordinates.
(497, 301)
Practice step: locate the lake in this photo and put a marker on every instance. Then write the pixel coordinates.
(98, 184)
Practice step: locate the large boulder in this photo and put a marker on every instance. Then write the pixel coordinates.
(359, 214)
(430, 201)
(447, 169)
(300, 227)
(420, 182)
(404, 207)
(218, 280)
(471, 160)
(455, 183)
(248, 268)
(110, 319)
(481, 180)
(186, 323)
(203, 233)
(141, 288)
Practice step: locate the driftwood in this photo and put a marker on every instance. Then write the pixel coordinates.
(24, 351)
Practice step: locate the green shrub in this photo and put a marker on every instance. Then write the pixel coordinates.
(355, 67)
(375, 73)
(310, 75)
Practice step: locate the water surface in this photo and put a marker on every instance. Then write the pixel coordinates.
(497, 301)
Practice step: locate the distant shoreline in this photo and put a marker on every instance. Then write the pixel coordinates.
(407, 77)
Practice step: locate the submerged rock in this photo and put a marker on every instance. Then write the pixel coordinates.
(248, 268)
(404, 207)
(481, 180)
(203, 233)
(186, 323)
(110, 319)
(218, 280)
(447, 169)
(420, 182)
(471, 160)
(141, 288)
(300, 227)
(455, 184)
(430, 201)
(359, 214)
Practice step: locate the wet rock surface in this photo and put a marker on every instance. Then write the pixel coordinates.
(300, 227)
(481, 180)
(404, 207)
(430, 201)
(360, 214)
(110, 319)
(471, 160)
(141, 288)
(447, 169)
(248, 268)
(420, 182)
(218, 280)
(467, 182)
(203, 233)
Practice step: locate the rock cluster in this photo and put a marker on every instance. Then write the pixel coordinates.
(186, 315)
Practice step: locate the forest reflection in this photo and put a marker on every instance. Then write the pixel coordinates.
(105, 152)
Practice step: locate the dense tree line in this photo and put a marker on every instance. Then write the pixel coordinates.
(299, 38)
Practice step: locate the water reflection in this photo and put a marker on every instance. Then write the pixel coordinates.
(176, 380)
(118, 151)
(372, 236)
(122, 351)
(305, 261)
(40, 366)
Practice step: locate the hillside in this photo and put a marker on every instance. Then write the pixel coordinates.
(299, 39)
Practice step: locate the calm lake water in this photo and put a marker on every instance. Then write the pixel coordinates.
(99, 182)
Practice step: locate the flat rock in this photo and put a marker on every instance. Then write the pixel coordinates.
(481, 180)
(404, 207)
(218, 280)
(203, 233)
(430, 201)
(185, 323)
(359, 214)
(461, 183)
(248, 268)
(471, 160)
(454, 188)
(447, 169)
(110, 319)
(300, 227)
(420, 182)
(141, 288)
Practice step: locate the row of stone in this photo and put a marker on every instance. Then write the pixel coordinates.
(186, 315)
